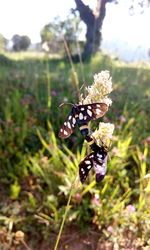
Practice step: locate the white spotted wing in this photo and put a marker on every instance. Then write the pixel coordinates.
(100, 165)
(97, 160)
(85, 166)
(89, 112)
(67, 128)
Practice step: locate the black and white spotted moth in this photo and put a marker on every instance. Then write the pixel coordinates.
(98, 160)
(81, 115)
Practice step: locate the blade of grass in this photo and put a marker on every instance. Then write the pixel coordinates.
(65, 214)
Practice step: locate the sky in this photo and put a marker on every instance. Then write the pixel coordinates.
(28, 17)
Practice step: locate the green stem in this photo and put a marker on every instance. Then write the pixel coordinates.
(65, 214)
(48, 83)
(74, 74)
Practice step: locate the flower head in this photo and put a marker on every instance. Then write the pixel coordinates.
(19, 235)
(110, 229)
(122, 118)
(101, 87)
(130, 208)
(96, 200)
(103, 83)
(104, 133)
(53, 93)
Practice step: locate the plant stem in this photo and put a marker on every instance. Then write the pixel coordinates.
(74, 73)
(65, 214)
(48, 83)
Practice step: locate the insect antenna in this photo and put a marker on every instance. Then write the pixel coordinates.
(64, 103)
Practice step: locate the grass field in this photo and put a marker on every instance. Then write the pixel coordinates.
(37, 168)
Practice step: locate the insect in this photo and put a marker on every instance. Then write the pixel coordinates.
(98, 160)
(91, 142)
(81, 115)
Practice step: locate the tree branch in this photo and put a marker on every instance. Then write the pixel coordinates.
(101, 10)
(86, 13)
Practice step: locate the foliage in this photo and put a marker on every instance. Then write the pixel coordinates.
(3, 42)
(55, 32)
(4, 60)
(37, 169)
(20, 42)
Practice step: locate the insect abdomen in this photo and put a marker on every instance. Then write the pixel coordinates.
(84, 130)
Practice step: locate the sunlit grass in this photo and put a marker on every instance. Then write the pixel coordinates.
(23, 55)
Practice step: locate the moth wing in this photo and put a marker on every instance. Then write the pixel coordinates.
(85, 166)
(67, 128)
(98, 110)
(89, 112)
(100, 165)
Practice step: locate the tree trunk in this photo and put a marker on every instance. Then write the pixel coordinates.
(93, 21)
(93, 39)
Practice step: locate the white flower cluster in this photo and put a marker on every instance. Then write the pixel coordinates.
(101, 87)
(102, 82)
(103, 135)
